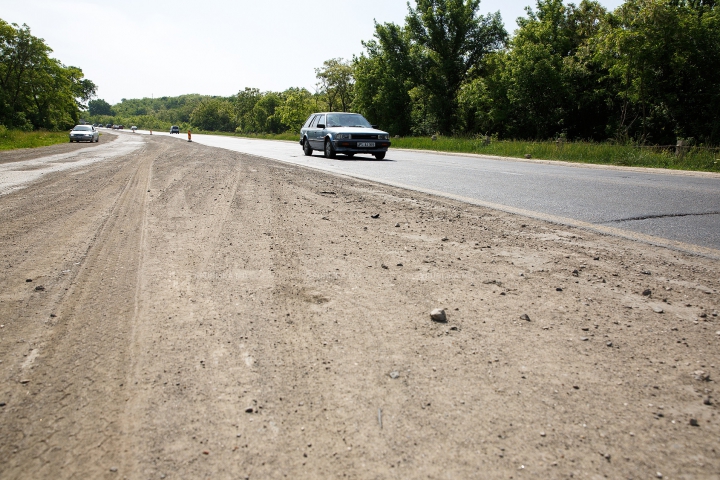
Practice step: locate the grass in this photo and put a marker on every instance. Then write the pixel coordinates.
(581, 152)
(12, 139)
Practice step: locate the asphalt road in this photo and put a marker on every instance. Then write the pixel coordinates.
(677, 209)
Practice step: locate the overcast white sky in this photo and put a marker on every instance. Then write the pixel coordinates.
(143, 48)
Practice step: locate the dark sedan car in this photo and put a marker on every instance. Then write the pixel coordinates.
(345, 133)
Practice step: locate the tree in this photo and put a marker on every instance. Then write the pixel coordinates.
(336, 82)
(384, 77)
(215, 115)
(37, 91)
(296, 108)
(99, 107)
(455, 39)
(662, 55)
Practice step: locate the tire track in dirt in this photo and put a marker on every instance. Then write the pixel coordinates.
(79, 363)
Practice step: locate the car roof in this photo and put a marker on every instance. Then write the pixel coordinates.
(324, 113)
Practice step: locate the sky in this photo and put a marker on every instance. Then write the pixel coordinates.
(145, 48)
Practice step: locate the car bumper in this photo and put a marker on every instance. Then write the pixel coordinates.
(350, 146)
(77, 138)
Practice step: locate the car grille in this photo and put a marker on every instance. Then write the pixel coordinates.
(364, 136)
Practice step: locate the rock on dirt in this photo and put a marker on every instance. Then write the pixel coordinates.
(438, 315)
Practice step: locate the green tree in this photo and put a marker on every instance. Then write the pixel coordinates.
(99, 107)
(663, 54)
(215, 115)
(336, 82)
(384, 77)
(37, 91)
(296, 108)
(455, 39)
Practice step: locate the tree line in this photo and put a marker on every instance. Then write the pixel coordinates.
(647, 72)
(37, 91)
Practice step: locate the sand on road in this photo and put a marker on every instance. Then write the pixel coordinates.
(181, 311)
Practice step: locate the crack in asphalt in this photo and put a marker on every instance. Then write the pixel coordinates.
(667, 215)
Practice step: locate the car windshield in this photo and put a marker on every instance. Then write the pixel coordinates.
(347, 120)
(82, 128)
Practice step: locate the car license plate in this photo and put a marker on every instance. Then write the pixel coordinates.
(366, 144)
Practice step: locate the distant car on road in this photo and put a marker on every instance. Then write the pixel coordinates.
(109, 125)
(175, 129)
(84, 133)
(345, 133)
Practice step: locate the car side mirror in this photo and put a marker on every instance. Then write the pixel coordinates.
(320, 125)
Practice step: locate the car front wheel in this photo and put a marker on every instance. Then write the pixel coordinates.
(307, 149)
(329, 149)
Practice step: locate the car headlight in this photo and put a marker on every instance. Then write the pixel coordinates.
(384, 137)
(343, 136)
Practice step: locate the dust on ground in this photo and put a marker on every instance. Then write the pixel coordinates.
(190, 312)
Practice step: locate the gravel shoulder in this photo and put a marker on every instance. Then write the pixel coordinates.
(195, 313)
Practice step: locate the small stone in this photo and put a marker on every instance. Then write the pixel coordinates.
(596, 258)
(2, 404)
(607, 457)
(558, 289)
(445, 239)
(24, 381)
(205, 452)
(576, 387)
(584, 329)
(397, 224)
(707, 401)
(701, 376)
(658, 310)
(525, 317)
(113, 469)
(40, 288)
(52, 315)
(375, 215)
(542, 434)
(454, 328)
(694, 422)
(249, 410)
(584, 339)
(29, 280)
(647, 292)
(399, 264)
(658, 475)
(438, 315)
(394, 375)
(609, 344)
(575, 273)
(384, 266)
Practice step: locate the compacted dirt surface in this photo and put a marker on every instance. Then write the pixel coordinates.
(186, 312)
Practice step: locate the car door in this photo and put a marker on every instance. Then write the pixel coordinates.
(317, 133)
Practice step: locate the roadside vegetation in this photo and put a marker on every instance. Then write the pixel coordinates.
(12, 139)
(36, 90)
(687, 158)
(621, 87)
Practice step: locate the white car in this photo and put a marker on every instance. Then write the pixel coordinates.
(84, 133)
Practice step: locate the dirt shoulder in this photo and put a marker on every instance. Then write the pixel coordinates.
(197, 313)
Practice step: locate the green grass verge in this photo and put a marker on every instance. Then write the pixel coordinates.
(581, 152)
(12, 139)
